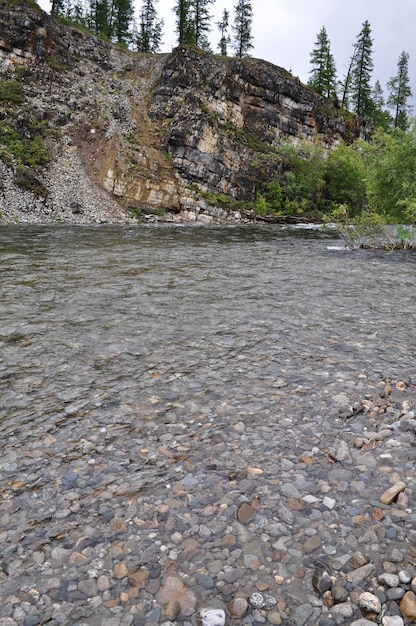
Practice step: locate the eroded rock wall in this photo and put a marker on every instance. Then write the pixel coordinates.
(162, 132)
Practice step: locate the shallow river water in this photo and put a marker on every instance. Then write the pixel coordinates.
(109, 333)
(101, 315)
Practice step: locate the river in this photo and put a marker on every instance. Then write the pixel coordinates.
(100, 314)
(138, 359)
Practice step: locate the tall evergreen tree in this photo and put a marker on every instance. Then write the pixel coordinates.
(121, 12)
(400, 92)
(184, 22)
(323, 72)
(345, 85)
(243, 19)
(98, 17)
(111, 19)
(193, 22)
(58, 7)
(225, 37)
(149, 36)
(380, 117)
(361, 90)
(202, 18)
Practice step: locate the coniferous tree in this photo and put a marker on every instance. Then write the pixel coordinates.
(184, 22)
(149, 36)
(323, 72)
(193, 22)
(121, 12)
(201, 18)
(225, 37)
(243, 18)
(111, 19)
(380, 117)
(58, 7)
(361, 91)
(345, 86)
(400, 92)
(98, 17)
(77, 13)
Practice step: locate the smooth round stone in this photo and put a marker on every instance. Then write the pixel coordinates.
(395, 593)
(237, 607)
(389, 580)
(369, 602)
(246, 513)
(404, 577)
(392, 620)
(339, 593)
(343, 609)
(408, 605)
(396, 556)
(274, 617)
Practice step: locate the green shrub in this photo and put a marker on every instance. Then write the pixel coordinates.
(28, 180)
(344, 180)
(12, 92)
(16, 148)
(57, 63)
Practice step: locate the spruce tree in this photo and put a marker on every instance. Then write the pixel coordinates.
(361, 90)
(345, 86)
(149, 36)
(380, 117)
(98, 19)
(121, 12)
(201, 19)
(243, 18)
(225, 37)
(323, 72)
(58, 7)
(400, 92)
(184, 22)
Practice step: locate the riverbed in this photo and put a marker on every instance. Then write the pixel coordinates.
(155, 377)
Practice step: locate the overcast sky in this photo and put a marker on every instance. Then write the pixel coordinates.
(284, 31)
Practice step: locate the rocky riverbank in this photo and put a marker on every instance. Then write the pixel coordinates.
(228, 521)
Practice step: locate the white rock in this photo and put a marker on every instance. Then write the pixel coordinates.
(212, 617)
(390, 580)
(369, 602)
(260, 600)
(392, 620)
(404, 577)
(329, 502)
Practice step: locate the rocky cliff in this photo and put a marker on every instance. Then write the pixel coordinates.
(128, 132)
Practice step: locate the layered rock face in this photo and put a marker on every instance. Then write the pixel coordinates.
(163, 132)
(227, 116)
